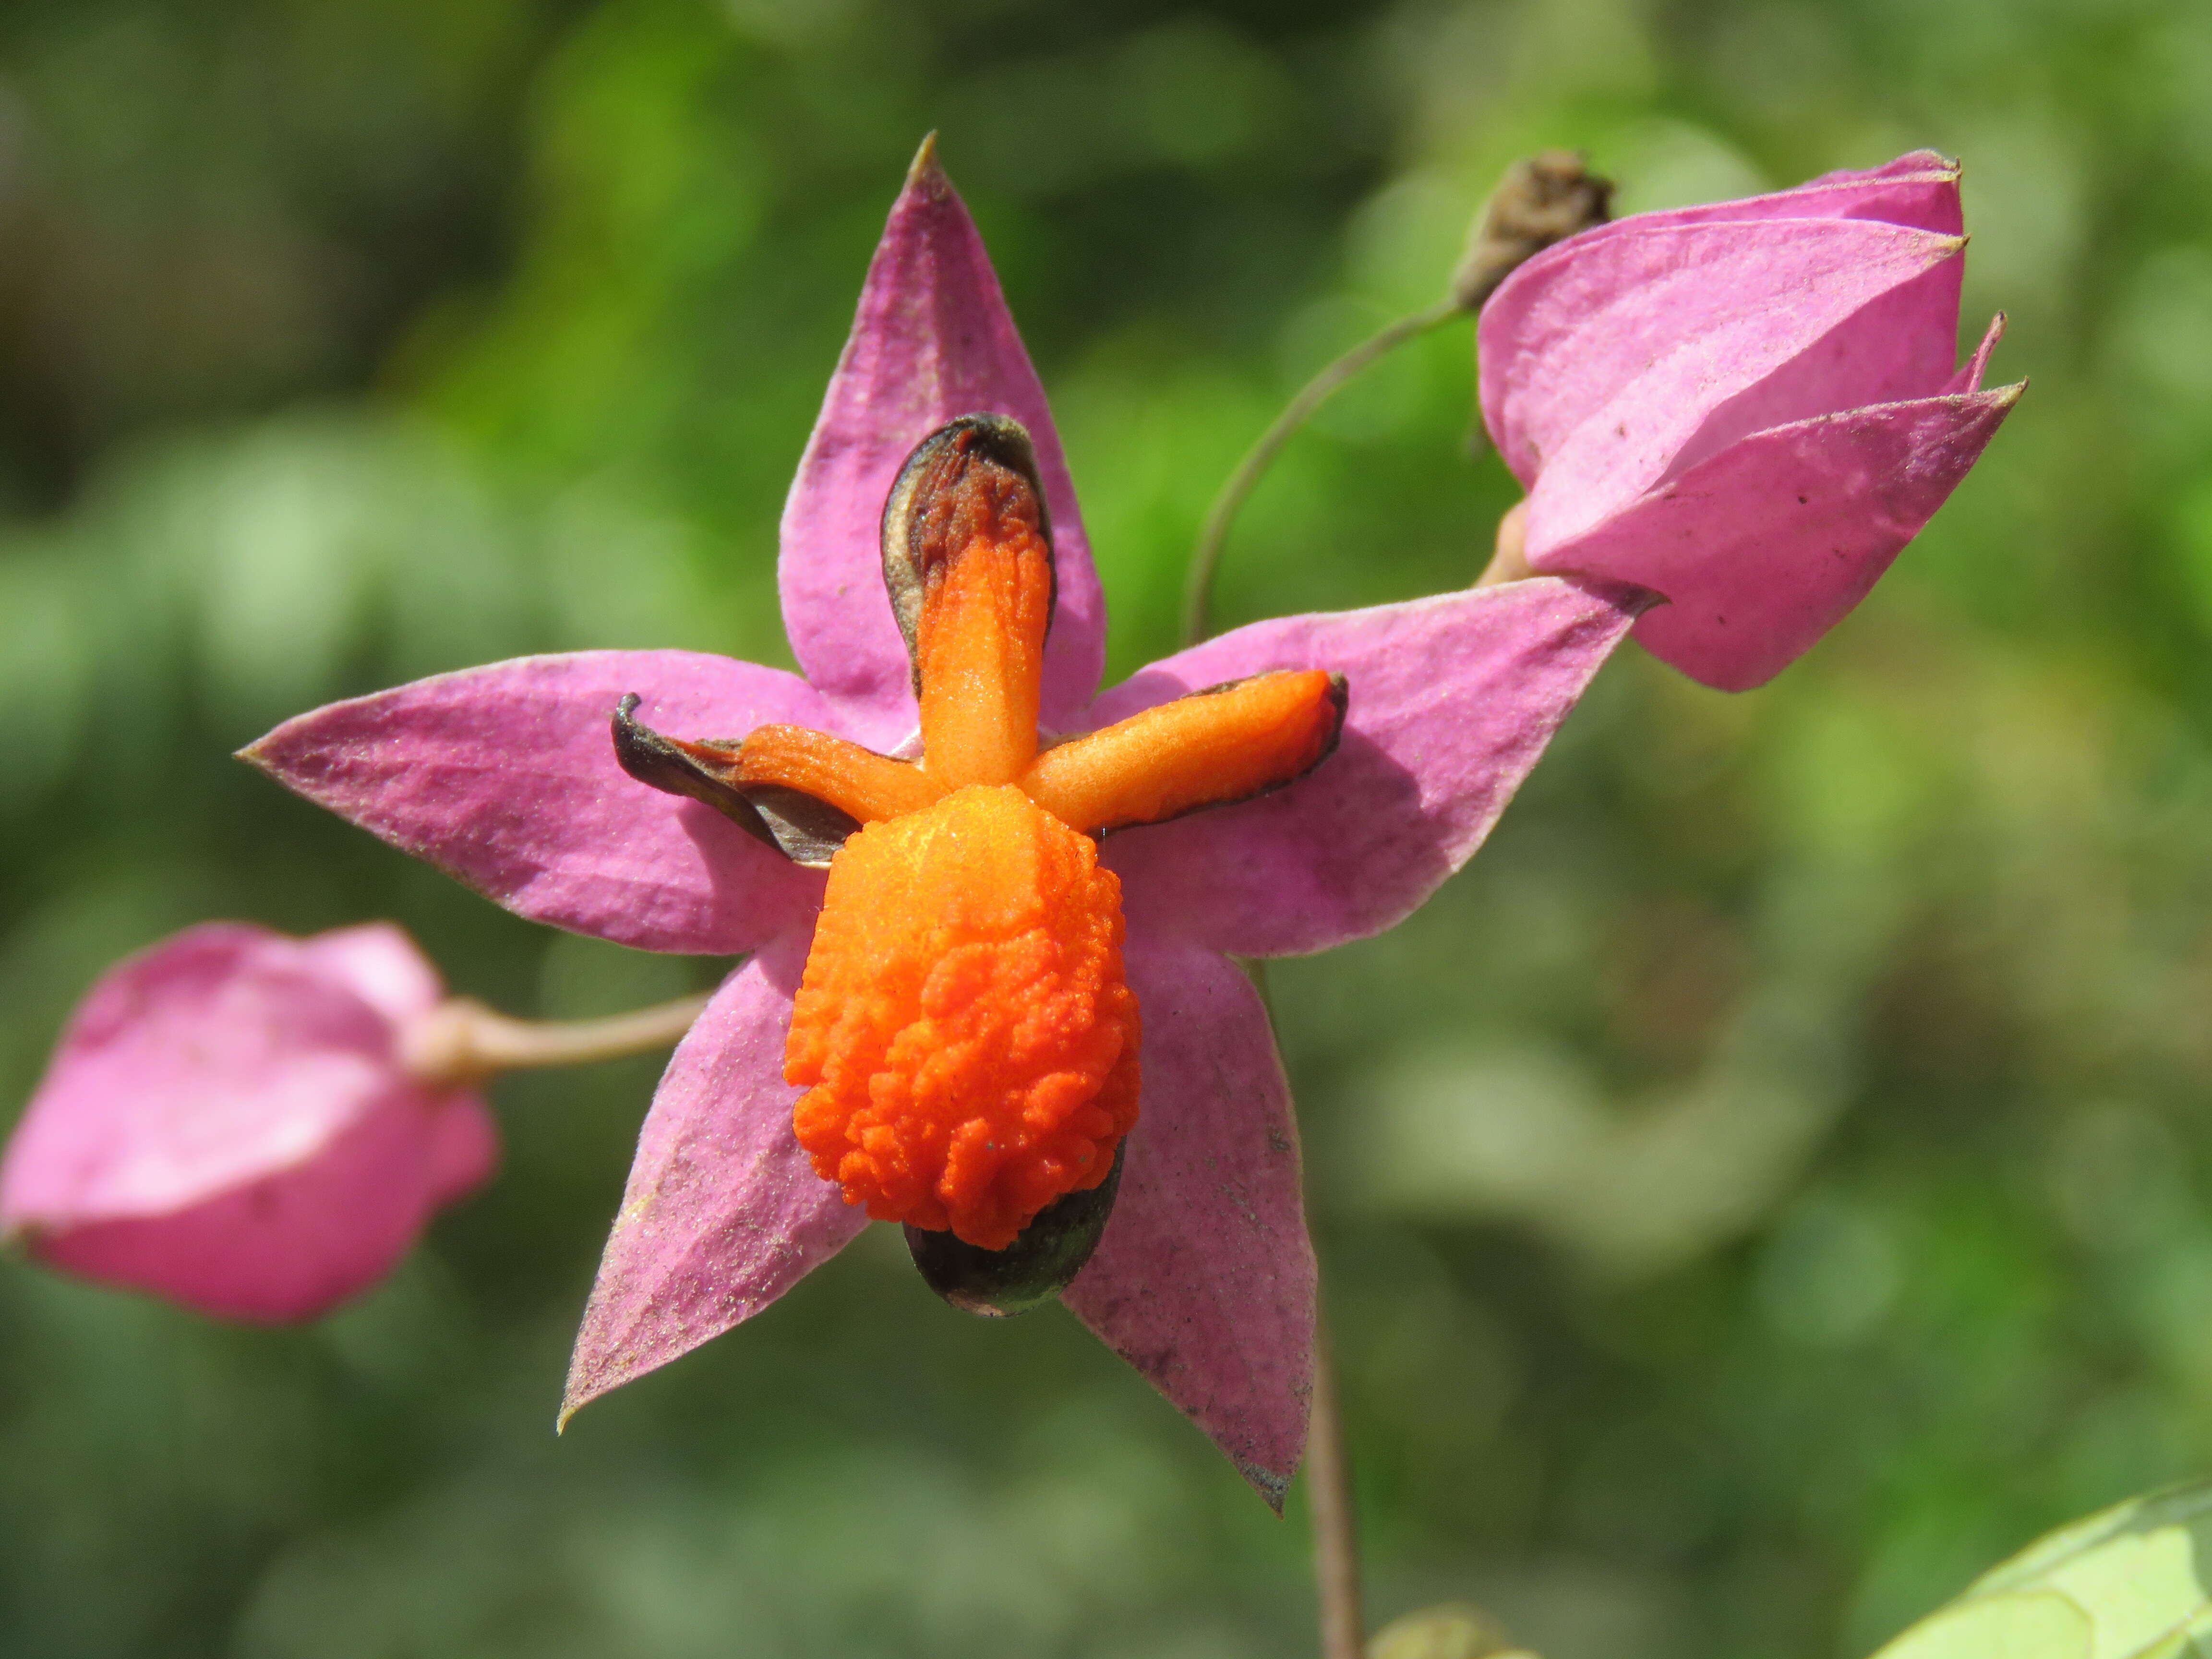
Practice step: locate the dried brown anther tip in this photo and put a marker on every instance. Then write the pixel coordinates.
(1541, 199)
(804, 829)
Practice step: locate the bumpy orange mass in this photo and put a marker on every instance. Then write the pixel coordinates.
(968, 1042)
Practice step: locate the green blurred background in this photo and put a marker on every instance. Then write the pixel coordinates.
(1766, 1187)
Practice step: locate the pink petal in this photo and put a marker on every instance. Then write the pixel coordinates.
(288, 1247)
(505, 777)
(723, 1213)
(1921, 189)
(386, 971)
(1767, 545)
(1452, 700)
(932, 341)
(1598, 370)
(464, 1147)
(382, 964)
(1204, 1280)
(1901, 346)
(224, 1123)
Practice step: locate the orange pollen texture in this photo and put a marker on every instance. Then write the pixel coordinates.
(965, 1036)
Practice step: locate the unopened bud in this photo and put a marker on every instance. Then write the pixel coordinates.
(1542, 199)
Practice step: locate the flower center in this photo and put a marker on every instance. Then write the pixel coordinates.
(963, 1031)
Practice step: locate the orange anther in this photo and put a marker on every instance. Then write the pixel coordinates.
(1200, 750)
(977, 535)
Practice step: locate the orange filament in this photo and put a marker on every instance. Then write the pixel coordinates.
(857, 781)
(1201, 750)
(986, 598)
(967, 1040)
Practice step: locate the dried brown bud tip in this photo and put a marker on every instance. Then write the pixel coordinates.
(1542, 199)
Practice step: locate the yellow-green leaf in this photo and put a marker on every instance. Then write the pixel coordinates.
(2128, 1584)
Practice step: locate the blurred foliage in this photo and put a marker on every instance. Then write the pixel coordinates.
(1768, 1187)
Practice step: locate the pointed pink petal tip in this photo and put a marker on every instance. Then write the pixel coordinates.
(1204, 1278)
(723, 1212)
(225, 1123)
(931, 340)
(505, 777)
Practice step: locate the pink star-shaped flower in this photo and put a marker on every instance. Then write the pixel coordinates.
(1204, 1280)
(1748, 408)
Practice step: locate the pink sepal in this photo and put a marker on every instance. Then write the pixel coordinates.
(723, 1213)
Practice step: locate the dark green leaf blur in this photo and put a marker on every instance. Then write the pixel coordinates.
(1769, 1185)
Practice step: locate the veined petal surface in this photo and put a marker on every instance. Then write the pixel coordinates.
(723, 1213)
(1204, 1280)
(504, 776)
(1451, 701)
(932, 341)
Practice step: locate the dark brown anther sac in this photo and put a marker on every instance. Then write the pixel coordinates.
(1041, 1262)
(804, 829)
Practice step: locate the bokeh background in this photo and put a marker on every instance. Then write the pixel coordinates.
(1766, 1187)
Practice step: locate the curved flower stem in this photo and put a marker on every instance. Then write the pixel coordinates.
(463, 1041)
(1327, 1469)
(1335, 1526)
(1205, 557)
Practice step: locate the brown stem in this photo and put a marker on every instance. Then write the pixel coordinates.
(1539, 200)
(462, 1041)
(1327, 1469)
(1335, 1526)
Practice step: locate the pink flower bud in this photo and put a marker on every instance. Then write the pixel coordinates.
(226, 1123)
(1746, 408)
